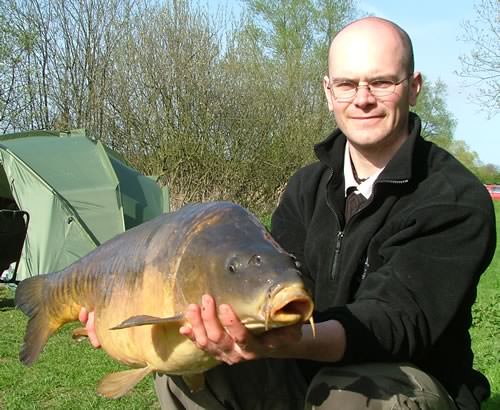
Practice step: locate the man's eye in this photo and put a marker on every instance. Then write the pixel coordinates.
(381, 84)
(344, 85)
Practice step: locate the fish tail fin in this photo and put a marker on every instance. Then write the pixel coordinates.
(117, 384)
(29, 298)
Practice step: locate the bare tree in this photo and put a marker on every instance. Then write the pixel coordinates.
(60, 55)
(217, 109)
(89, 34)
(482, 65)
(9, 59)
(27, 106)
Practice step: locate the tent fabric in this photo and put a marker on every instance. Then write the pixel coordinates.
(139, 196)
(77, 193)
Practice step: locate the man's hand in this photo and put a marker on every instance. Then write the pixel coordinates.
(87, 319)
(223, 336)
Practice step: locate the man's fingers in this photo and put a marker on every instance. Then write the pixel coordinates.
(193, 315)
(214, 329)
(187, 330)
(83, 316)
(233, 325)
(90, 326)
(218, 332)
(88, 319)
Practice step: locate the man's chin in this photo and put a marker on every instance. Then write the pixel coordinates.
(365, 138)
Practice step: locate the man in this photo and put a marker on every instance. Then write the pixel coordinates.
(392, 234)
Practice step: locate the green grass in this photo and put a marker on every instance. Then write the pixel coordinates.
(64, 377)
(485, 330)
(67, 373)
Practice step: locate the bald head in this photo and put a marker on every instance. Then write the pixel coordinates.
(372, 57)
(374, 32)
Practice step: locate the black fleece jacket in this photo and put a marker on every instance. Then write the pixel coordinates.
(401, 275)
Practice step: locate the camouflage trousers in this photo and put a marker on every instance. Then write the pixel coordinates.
(278, 385)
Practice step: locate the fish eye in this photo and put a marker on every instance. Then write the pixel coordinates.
(233, 265)
(255, 260)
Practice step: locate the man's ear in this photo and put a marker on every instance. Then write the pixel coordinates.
(414, 87)
(328, 92)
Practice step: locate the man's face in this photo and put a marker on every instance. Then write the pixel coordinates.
(361, 53)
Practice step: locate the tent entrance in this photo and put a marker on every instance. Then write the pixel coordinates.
(13, 230)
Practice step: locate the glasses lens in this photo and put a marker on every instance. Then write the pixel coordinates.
(380, 88)
(344, 90)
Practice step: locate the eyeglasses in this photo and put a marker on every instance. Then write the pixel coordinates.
(346, 90)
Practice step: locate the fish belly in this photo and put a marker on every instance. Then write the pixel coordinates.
(159, 346)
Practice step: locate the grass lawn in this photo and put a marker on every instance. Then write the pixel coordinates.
(64, 377)
(67, 373)
(485, 331)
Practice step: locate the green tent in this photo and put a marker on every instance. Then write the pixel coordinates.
(62, 195)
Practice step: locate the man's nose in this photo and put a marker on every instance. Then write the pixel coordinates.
(364, 96)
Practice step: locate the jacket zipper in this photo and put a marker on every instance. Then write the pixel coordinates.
(366, 265)
(340, 233)
(338, 246)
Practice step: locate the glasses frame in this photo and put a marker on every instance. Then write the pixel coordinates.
(367, 86)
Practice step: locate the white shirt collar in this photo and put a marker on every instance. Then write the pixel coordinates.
(366, 187)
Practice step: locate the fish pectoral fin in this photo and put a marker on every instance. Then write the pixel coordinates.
(195, 381)
(115, 385)
(79, 334)
(142, 320)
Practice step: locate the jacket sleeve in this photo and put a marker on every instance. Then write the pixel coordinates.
(425, 285)
(291, 218)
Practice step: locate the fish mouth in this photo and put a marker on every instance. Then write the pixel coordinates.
(287, 305)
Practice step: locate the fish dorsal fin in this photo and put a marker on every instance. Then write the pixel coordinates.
(142, 320)
(195, 381)
(115, 385)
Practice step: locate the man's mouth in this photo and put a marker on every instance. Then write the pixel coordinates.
(366, 117)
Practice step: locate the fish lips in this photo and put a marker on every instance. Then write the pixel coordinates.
(284, 304)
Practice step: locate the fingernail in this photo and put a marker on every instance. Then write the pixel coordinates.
(223, 309)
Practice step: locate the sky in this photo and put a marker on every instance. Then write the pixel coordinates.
(435, 27)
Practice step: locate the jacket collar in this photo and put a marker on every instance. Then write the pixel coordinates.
(331, 153)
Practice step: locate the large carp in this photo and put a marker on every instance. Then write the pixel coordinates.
(140, 283)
